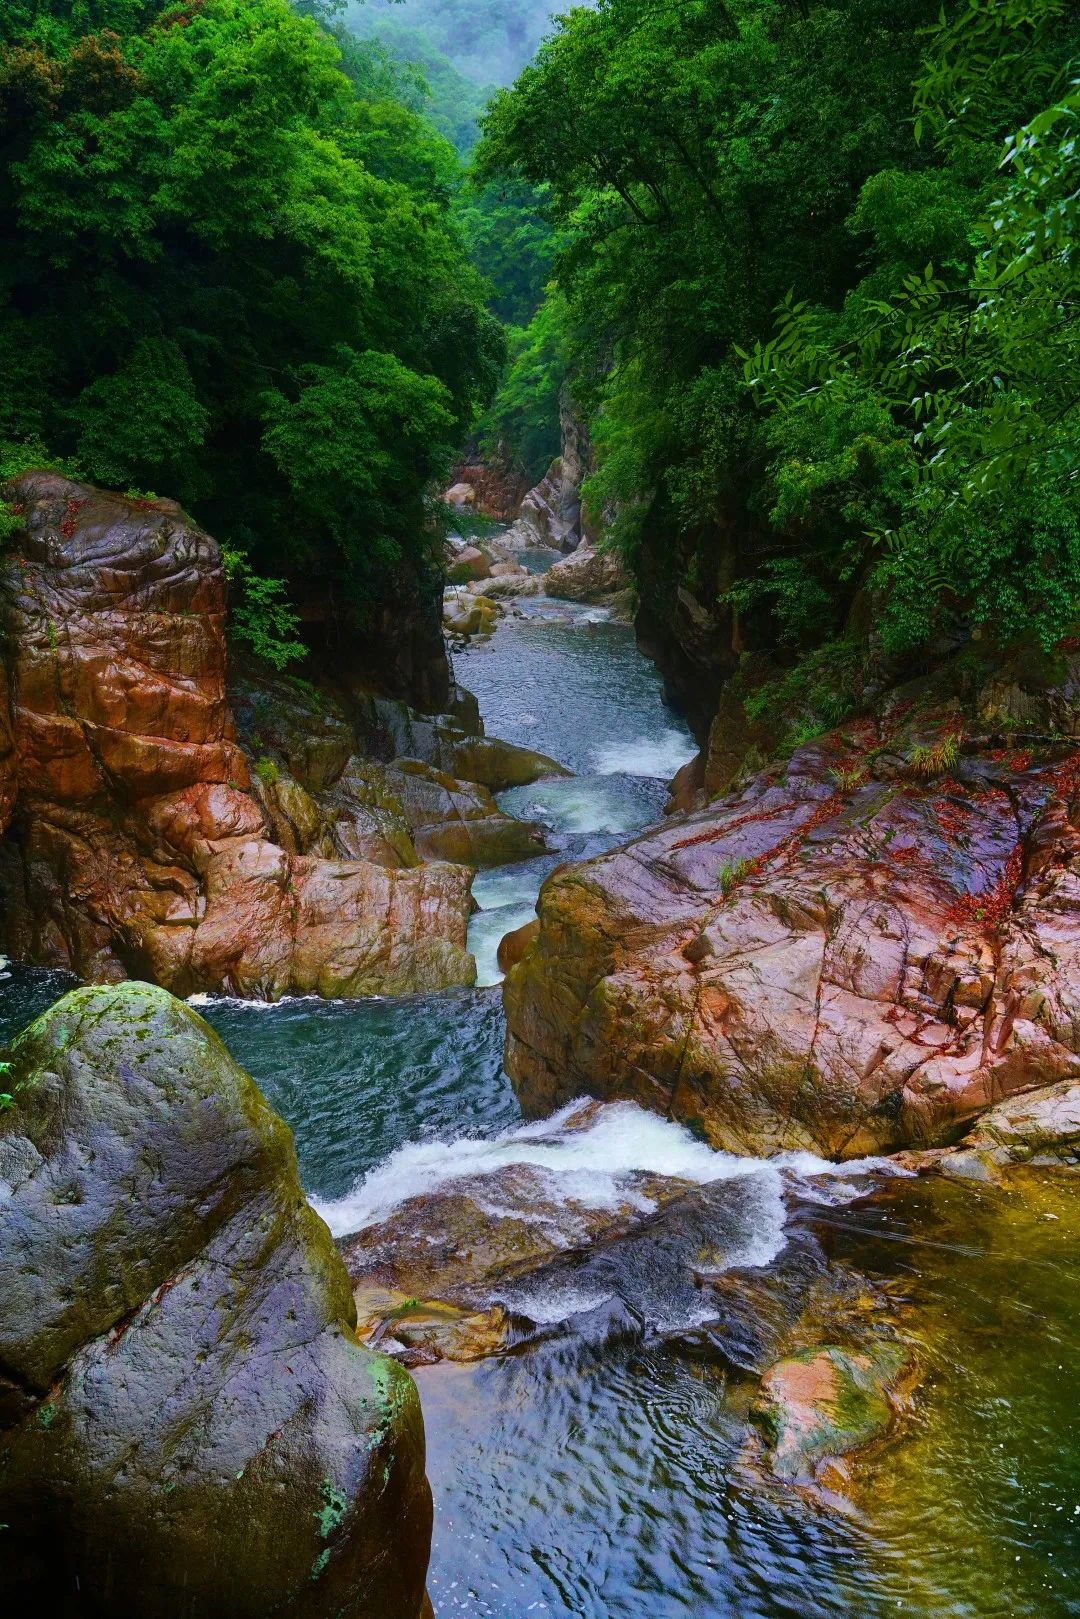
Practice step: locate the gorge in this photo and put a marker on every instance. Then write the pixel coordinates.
(592, 1301)
(540, 878)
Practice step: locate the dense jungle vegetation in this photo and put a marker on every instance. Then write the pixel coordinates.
(805, 268)
(231, 274)
(817, 292)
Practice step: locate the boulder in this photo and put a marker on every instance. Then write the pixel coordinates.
(495, 764)
(137, 843)
(460, 821)
(508, 587)
(466, 614)
(188, 1425)
(460, 494)
(859, 950)
(587, 575)
(468, 562)
(513, 945)
(551, 513)
(1037, 1129)
(460, 749)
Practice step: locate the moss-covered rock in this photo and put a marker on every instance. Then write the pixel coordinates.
(187, 1423)
(826, 1402)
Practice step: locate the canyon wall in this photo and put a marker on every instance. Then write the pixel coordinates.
(146, 836)
(858, 949)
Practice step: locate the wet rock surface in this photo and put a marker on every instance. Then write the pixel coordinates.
(188, 1425)
(733, 1275)
(248, 838)
(587, 575)
(856, 951)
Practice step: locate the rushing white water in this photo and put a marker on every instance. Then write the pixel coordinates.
(488, 928)
(588, 804)
(659, 755)
(592, 1164)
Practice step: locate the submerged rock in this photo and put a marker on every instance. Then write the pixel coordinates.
(826, 1402)
(855, 952)
(188, 1426)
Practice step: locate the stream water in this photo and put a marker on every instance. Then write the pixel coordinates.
(601, 1476)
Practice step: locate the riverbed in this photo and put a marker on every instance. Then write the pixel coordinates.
(602, 1474)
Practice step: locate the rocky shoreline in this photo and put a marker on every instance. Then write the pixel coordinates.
(866, 947)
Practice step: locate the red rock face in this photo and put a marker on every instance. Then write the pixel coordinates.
(840, 956)
(135, 846)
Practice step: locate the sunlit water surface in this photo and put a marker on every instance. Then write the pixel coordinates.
(603, 1477)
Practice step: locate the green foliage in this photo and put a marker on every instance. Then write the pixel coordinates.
(697, 160)
(267, 771)
(927, 761)
(231, 271)
(819, 277)
(819, 691)
(969, 361)
(260, 613)
(7, 1100)
(511, 243)
(525, 413)
(730, 875)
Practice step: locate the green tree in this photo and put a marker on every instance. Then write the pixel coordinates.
(900, 186)
(961, 374)
(216, 245)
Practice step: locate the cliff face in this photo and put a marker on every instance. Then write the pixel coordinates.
(855, 951)
(694, 642)
(551, 512)
(135, 842)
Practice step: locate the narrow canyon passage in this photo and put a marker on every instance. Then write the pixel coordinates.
(603, 1465)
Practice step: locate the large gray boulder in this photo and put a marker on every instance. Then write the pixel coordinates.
(188, 1425)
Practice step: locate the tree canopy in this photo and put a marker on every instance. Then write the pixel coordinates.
(815, 265)
(230, 273)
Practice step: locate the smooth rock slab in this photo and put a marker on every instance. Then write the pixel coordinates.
(188, 1425)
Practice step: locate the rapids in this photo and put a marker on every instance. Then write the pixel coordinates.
(601, 1472)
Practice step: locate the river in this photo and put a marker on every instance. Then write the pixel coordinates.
(600, 1475)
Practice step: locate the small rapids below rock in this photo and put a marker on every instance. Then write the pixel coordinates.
(602, 1465)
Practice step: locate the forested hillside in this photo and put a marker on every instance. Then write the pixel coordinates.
(816, 297)
(804, 271)
(232, 275)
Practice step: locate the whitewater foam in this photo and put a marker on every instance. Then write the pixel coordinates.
(659, 756)
(581, 805)
(592, 1165)
(488, 928)
(202, 997)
